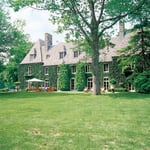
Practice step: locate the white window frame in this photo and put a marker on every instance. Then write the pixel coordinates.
(29, 70)
(73, 69)
(106, 83)
(106, 69)
(46, 83)
(46, 70)
(72, 84)
(90, 82)
(88, 68)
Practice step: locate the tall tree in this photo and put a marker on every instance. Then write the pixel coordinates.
(14, 44)
(17, 51)
(85, 19)
(136, 56)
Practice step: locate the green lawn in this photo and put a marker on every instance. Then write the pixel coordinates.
(74, 121)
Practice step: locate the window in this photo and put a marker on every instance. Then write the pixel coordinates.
(61, 55)
(87, 68)
(29, 71)
(73, 69)
(47, 56)
(58, 69)
(106, 68)
(106, 83)
(46, 71)
(33, 55)
(89, 83)
(72, 84)
(76, 53)
(46, 83)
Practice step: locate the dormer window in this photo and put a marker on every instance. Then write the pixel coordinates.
(76, 53)
(47, 56)
(33, 55)
(61, 55)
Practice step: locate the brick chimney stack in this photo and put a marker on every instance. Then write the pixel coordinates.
(48, 41)
(121, 29)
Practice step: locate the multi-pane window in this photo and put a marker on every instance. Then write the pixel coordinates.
(46, 83)
(106, 83)
(87, 68)
(76, 53)
(72, 84)
(29, 70)
(106, 67)
(89, 83)
(73, 69)
(61, 55)
(46, 70)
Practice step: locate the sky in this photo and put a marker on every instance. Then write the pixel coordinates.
(37, 24)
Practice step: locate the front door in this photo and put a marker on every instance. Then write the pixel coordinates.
(72, 84)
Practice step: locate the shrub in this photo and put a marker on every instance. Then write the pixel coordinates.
(113, 81)
(142, 82)
(118, 90)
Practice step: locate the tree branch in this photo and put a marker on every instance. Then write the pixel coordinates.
(101, 12)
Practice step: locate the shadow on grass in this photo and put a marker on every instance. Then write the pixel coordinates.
(22, 95)
(14, 95)
(128, 96)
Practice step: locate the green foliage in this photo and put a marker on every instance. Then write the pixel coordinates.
(113, 81)
(17, 83)
(63, 78)
(118, 90)
(142, 82)
(14, 44)
(136, 55)
(80, 79)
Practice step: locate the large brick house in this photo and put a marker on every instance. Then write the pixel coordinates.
(44, 58)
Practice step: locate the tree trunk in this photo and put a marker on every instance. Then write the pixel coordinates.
(95, 68)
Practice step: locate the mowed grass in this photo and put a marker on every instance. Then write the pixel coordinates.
(74, 121)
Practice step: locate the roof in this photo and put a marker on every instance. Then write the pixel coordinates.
(51, 57)
(35, 55)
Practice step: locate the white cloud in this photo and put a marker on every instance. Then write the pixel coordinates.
(37, 23)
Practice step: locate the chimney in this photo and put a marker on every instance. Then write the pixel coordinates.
(48, 41)
(121, 29)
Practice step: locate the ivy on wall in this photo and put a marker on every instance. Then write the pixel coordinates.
(37, 72)
(63, 78)
(80, 79)
(52, 76)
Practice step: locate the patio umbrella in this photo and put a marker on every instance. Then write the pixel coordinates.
(35, 80)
